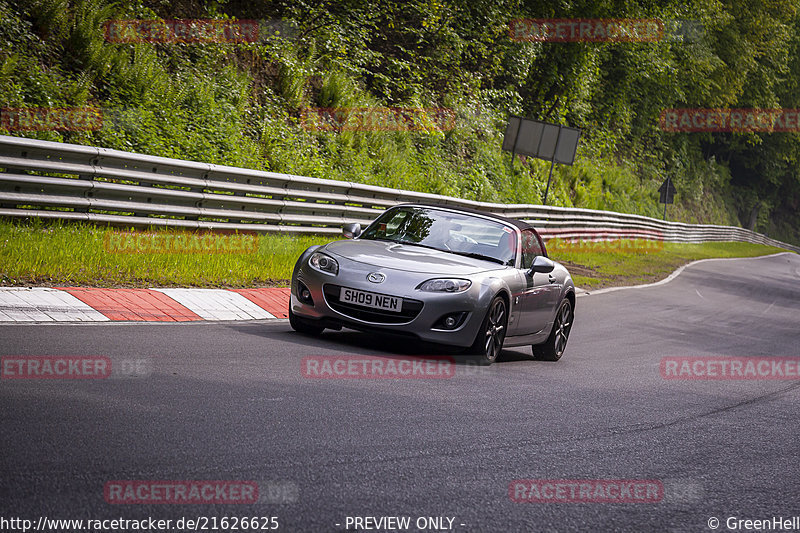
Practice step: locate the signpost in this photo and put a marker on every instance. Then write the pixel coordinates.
(667, 191)
(551, 142)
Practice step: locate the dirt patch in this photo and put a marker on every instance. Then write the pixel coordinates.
(602, 281)
(581, 270)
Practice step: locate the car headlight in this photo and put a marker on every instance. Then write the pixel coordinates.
(323, 262)
(445, 285)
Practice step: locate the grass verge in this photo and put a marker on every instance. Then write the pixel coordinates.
(62, 254)
(596, 265)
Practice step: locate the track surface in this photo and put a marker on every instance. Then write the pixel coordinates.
(228, 401)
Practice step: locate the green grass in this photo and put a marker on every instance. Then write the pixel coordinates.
(81, 255)
(63, 254)
(632, 262)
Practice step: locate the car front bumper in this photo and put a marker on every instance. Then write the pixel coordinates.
(420, 316)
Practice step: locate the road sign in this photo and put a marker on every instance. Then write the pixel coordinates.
(667, 191)
(550, 142)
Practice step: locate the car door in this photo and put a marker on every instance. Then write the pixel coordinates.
(539, 296)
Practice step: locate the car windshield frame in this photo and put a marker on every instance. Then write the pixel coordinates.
(455, 232)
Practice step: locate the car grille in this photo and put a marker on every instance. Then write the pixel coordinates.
(408, 312)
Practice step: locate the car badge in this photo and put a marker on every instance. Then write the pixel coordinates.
(376, 277)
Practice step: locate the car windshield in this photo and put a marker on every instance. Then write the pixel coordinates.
(447, 231)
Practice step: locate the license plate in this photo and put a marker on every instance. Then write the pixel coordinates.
(371, 299)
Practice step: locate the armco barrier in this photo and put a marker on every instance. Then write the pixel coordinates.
(73, 182)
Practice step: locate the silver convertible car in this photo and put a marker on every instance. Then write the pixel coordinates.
(446, 275)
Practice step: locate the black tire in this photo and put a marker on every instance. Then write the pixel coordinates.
(489, 341)
(304, 326)
(553, 348)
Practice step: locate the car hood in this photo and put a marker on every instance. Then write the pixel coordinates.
(409, 258)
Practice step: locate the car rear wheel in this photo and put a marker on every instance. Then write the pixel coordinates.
(302, 325)
(489, 342)
(553, 348)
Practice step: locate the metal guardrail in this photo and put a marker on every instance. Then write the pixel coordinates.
(83, 183)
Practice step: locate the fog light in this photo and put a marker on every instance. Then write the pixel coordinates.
(303, 294)
(451, 321)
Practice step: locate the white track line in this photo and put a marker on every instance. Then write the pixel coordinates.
(584, 292)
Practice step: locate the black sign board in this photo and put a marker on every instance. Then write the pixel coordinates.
(550, 142)
(667, 191)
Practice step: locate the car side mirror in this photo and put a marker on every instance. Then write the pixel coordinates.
(351, 231)
(541, 264)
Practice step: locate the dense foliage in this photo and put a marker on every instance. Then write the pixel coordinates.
(242, 104)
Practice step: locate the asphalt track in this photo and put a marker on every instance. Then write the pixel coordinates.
(227, 401)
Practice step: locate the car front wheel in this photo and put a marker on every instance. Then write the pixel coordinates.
(553, 348)
(489, 342)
